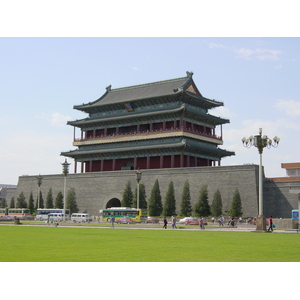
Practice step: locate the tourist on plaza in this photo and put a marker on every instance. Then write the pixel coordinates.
(112, 220)
(270, 224)
(174, 222)
(202, 224)
(221, 220)
(165, 223)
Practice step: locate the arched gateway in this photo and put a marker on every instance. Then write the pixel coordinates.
(113, 202)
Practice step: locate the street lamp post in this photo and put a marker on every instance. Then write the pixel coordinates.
(39, 182)
(138, 179)
(260, 142)
(65, 172)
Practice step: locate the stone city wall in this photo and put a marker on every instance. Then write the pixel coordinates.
(94, 190)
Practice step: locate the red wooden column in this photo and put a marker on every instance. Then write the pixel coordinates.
(148, 162)
(101, 165)
(161, 162)
(188, 161)
(113, 164)
(172, 161)
(135, 163)
(181, 161)
(75, 166)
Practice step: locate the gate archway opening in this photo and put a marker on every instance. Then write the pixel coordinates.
(113, 202)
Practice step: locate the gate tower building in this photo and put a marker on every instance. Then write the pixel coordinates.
(163, 124)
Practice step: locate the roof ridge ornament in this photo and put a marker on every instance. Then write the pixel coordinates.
(108, 88)
(189, 74)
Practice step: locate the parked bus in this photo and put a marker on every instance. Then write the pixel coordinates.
(295, 214)
(19, 213)
(3, 211)
(137, 215)
(42, 213)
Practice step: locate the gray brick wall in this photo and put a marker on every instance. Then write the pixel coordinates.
(94, 190)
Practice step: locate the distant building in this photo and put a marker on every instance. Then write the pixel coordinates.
(292, 172)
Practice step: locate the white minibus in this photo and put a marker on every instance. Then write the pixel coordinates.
(56, 217)
(81, 218)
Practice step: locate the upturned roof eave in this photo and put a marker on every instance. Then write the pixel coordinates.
(184, 81)
(140, 114)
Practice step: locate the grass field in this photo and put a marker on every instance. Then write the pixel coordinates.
(62, 244)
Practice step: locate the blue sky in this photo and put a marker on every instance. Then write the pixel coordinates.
(42, 78)
(46, 69)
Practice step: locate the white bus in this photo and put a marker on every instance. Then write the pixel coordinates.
(42, 214)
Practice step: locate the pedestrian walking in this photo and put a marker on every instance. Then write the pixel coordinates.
(202, 224)
(165, 223)
(270, 224)
(174, 222)
(220, 220)
(112, 220)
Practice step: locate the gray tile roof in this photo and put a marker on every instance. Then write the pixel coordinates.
(138, 92)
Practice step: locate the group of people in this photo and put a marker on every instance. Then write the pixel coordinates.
(173, 220)
(231, 222)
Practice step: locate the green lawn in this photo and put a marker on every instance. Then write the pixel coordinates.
(62, 244)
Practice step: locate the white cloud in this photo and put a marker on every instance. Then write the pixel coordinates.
(214, 45)
(55, 119)
(223, 112)
(257, 53)
(136, 68)
(290, 107)
(27, 153)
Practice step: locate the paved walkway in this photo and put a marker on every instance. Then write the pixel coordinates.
(239, 228)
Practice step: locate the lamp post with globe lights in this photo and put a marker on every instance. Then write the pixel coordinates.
(260, 142)
(39, 182)
(65, 172)
(138, 179)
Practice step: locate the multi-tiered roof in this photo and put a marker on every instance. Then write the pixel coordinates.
(159, 119)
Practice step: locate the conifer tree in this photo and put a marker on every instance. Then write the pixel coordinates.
(170, 202)
(155, 204)
(21, 201)
(185, 206)
(49, 199)
(3, 203)
(216, 207)
(142, 199)
(236, 205)
(59, 203)
(71, 203)
(202, 207)
(31, 203)
(12, 203)
(127, 196)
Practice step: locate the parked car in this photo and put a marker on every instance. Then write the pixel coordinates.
(125, 220)
(26, 217)
(6, 218)
(189, 221)
(152, 220)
